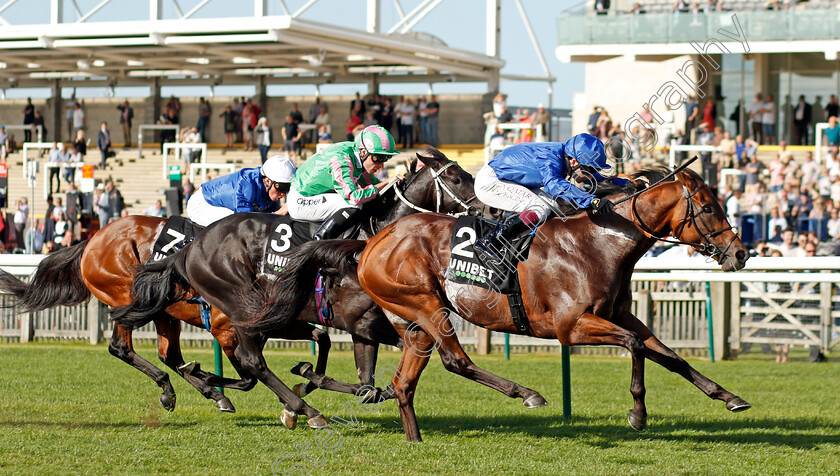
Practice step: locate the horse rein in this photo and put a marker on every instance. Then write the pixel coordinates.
(440, 187)
(691, 216)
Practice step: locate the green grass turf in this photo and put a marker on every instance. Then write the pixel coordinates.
(74, 409)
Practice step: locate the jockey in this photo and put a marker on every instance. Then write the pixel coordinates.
(510, 180)
(249, 190)
(332, 186)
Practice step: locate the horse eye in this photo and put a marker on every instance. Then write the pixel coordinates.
(707, 209)
(456, 181)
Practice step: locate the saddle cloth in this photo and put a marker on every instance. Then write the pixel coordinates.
(175, 234)
(466, 266)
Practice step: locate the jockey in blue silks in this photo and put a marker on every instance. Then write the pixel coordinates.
(512, 179)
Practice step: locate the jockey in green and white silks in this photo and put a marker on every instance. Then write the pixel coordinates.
(332, 186)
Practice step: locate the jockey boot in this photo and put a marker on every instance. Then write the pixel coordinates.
(493, 244)
(337, 224)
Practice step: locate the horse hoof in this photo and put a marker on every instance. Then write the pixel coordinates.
(224, 405)
(289, 419)
(300, 390)
(737, 405)
(189, 367)
(301, 368)
(318, 422)
(168, 402)
(534, 401)
(638, 423)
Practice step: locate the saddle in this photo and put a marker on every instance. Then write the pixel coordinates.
(466, 266)
(177, 231)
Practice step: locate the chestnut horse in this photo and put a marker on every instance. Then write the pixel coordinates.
(221, 265)
(575, 286)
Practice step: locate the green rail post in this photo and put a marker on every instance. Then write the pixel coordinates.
(507, 346)
(313, 347)
(217, 350)
(711, 325)
(567, 384)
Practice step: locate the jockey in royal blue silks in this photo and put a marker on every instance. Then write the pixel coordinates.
(512, 179)
(249, 190)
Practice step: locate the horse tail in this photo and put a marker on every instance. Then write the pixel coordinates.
(57, 281)
(158, 285)
(274, 303)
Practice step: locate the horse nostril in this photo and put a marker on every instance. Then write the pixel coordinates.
(741, 256)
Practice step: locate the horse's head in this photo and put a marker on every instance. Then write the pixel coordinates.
(701, 222)
(441, 186)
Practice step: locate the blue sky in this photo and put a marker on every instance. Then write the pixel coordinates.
(459, 23)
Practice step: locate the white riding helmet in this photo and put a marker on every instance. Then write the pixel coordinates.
(278, 169)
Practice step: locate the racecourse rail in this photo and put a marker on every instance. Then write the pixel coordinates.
(771, 301)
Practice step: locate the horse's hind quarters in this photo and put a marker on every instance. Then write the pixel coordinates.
(224, 405)
(737, 405)
(535, 401)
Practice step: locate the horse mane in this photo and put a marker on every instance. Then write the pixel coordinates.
(607, 189)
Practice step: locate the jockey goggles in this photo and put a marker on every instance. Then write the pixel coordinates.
(379, 158)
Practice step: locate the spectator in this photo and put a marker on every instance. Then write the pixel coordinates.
(70, 110)
(291, 136)
(324, 136)
(602, 7)
(21, 215)
(603, 125)
(506, 116)
(174, 104)
(80, 146)
(193, 154)
(370, 120)
(28, 119)
(636, 9)
(420, 122)
(263, 137)
(756, 113)
(58, 155)
(831, 136)
(832, 109)
(374, 105)
(237, 117)
(541, 118)
(34, 238)
(115, 199)
(709, 113)
(169, 117)
(351, 122)
(433, 112)
(203, 118)
(386, 115)
(103, 141)
(189, 189)
(57, 209)
(126, 116)
(229, 119)
(297, 116)
(768, 120)
(834, 224)
(801, 121)
(752, 171)
(692, 112)
(314, 110)
(157, 210)
(810, 170)
(593, 121)
(78, 118)
(102, 205)
(728, 158)
(250, 113)
(776, 222)
(499, 104)
(407, 123)
(733, 209)
(38, 121)
(788, 247)
(358, 105)
(4, 142)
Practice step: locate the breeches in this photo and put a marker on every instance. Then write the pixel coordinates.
(202, 212)
(507, 195)
(317, 207)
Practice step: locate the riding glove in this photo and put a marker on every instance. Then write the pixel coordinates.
(601, 206)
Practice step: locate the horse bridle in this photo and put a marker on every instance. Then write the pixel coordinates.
(691, 216)
(440, 187)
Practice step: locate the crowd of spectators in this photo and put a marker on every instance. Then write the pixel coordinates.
(534, 125)
(602, 7)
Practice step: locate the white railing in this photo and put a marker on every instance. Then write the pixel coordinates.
(37, 146)
(230, 168)
(154, 127)
(688, 148)
(178, 147)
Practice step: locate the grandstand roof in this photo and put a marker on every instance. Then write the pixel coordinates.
(280, 49)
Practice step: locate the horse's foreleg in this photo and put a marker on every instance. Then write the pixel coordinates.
(590, 329)
(429, 317)
(122, 348)
(658, 352)
(169, 352)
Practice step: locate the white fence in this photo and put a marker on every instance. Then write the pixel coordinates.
(771, 301)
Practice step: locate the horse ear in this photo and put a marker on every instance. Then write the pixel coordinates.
(412, 166)
(427, 160)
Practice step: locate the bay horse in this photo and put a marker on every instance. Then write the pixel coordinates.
(221, 265)
(575, 286)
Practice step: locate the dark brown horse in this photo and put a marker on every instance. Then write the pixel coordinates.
(221, 265)
(105, 266)
(575, 287)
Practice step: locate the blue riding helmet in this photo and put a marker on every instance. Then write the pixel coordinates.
(587, 150)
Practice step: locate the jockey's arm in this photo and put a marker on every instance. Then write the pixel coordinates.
(284, 210)
(346, 185)
(245, 196)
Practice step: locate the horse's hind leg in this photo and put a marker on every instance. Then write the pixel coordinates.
(249, 353)
(122, 348)
(590, 329)
(664, 356)
(169, 352)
